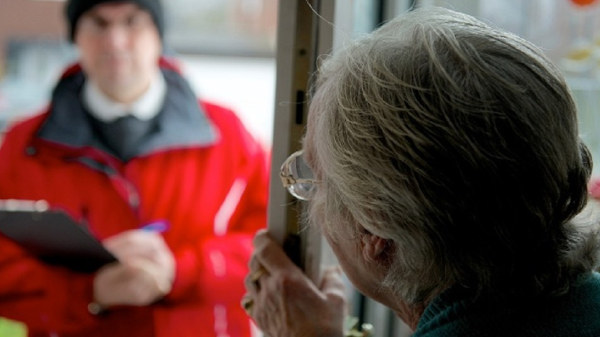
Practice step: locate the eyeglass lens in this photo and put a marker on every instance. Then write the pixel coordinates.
(303, 175)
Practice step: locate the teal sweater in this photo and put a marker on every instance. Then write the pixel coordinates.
(576, 314)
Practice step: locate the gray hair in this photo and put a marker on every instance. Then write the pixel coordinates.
(459, 143)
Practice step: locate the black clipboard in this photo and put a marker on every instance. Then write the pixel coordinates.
(54, 237)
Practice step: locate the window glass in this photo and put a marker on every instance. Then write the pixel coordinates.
(226, 49)
(232, 27)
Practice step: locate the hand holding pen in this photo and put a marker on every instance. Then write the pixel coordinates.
(146, 243)
(158, 226)
(145, 263)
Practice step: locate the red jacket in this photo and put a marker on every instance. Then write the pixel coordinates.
(202, 172)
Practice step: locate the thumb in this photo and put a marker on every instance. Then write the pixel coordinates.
(332, 283)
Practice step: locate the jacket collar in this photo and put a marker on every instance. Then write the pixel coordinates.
(181, 122)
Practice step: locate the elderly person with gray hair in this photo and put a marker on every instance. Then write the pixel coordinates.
(446, 173)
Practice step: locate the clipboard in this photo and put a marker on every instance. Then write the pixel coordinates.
(52, 236)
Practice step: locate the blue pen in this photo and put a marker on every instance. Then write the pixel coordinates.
(159, 226)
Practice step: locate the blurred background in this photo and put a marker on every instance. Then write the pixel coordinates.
(226, 49)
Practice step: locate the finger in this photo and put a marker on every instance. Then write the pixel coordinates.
(247, 303)
(271, 255)
(254, 264)
(256, 275)
(135, 243)
(121, 244)
(252, 280)
(133, 236)
(153, 277)
(332, 284)
(249, 285)
(333, 279)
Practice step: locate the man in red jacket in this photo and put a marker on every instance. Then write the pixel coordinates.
(123, 144)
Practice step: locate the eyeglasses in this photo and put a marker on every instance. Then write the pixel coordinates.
(297, 177)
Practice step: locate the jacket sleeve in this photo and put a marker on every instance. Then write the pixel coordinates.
(218, 266)
(44, 297)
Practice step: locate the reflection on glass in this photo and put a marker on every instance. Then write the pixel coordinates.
(578, 58)
(232, 27)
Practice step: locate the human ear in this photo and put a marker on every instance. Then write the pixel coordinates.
(375, 248)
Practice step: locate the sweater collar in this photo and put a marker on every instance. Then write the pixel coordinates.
(459, 311)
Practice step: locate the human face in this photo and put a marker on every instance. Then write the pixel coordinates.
(119, 48)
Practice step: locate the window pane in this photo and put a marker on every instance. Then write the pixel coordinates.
(240, 27)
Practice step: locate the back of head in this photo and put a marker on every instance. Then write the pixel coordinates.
(75, 8)
(459, 142)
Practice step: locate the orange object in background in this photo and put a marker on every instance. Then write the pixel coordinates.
(583, 2)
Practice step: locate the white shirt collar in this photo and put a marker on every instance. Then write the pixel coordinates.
(144, 108)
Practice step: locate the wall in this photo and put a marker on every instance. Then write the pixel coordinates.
(29, 19)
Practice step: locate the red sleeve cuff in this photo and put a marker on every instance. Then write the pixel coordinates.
(186, 275)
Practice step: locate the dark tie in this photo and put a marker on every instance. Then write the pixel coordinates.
(125, 135)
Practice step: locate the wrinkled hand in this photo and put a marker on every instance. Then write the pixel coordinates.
(144, 273)
(285, 302)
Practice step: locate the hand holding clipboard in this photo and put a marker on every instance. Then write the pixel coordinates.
(52, 235)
